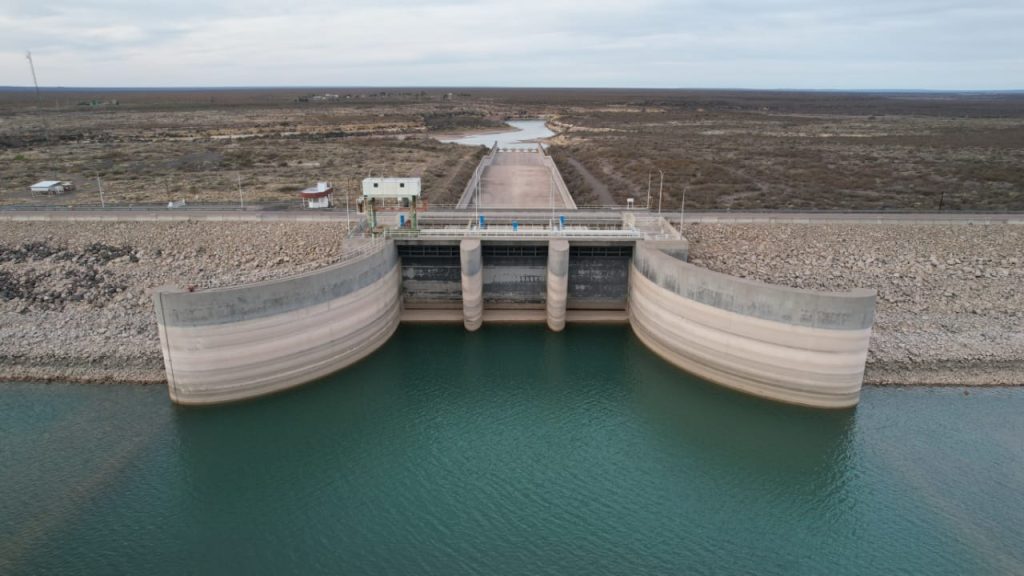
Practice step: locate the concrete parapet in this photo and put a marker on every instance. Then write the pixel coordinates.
(236, 343)
(678, 249)
(557, 283)
(785, 344)
(471, 258)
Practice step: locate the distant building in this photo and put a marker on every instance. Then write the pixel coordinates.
(320, 196)
(52, 187)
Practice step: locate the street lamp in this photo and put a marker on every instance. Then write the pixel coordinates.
(648, 205)
(661, 183)
(682, 209)
(551, 198)
(241, 201)
(348, 214)
(682, 206)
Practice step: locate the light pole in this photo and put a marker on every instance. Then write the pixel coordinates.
(648, 205)
(99, 184)
(661, 183)
(348, 214)
(551, 199)
(241, 201)
(682, 209)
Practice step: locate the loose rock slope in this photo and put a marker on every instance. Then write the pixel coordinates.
(950, 305)
(75, 298)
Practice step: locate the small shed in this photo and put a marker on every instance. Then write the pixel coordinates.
(320, 196)
(52, 187)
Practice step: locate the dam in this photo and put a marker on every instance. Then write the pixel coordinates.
(516, 249)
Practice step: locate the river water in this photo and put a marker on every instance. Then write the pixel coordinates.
(525, 135)
(509, 451)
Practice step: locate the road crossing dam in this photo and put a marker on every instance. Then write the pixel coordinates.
(550, 265)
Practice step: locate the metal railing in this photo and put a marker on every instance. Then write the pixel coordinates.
(522, 233)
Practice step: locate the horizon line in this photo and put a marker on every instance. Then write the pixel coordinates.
(13, 88)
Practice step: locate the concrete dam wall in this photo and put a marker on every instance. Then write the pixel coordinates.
(235, 343)
(786, 344)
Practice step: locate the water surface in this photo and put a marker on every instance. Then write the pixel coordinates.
(509, 451)
(525, 135)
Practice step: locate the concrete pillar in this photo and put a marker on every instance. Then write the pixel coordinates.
(558, 283)
(472, 283)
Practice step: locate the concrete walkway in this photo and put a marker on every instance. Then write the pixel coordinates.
(519, 179)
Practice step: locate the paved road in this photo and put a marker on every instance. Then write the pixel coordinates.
(163, 214)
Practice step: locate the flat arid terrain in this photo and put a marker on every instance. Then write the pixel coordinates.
(730, 150)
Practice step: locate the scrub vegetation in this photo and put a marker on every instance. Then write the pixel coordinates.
(729, 149)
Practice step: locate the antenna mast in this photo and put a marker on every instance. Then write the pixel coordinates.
(28, 56)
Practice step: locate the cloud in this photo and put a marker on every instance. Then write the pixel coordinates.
(685, 43)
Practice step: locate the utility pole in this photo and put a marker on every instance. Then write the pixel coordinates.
(32, 66)
(241, 201)
(661, 184)
(348, 214)
(28, 56)
(99, 184)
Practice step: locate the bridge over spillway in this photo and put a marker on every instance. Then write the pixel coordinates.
(524, 178)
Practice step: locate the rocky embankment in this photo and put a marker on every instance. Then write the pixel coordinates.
(75, 297)
(950, 299)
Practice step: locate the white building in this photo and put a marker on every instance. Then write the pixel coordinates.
(396, 188)
(52, 187)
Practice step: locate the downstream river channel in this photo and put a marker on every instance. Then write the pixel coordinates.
(525, 134)
(509, 451)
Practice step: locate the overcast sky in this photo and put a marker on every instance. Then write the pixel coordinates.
(861, 44)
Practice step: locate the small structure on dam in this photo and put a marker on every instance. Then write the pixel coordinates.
(552, 264)
(379, 192)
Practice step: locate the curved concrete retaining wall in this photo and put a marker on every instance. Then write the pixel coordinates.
(786, 344)
(235, 343)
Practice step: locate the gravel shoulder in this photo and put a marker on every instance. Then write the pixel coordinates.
(76, 297)
(950, 306)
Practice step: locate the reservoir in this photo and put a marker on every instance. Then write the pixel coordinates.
(524, 135)
(510, 450)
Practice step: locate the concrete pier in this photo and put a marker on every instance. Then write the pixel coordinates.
(557, 283)
(471, 258)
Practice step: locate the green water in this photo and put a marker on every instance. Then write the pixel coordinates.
(510, 451)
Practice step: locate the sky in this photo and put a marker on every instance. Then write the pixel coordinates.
(799, 44)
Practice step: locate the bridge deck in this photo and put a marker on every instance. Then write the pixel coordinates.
(522, 179)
